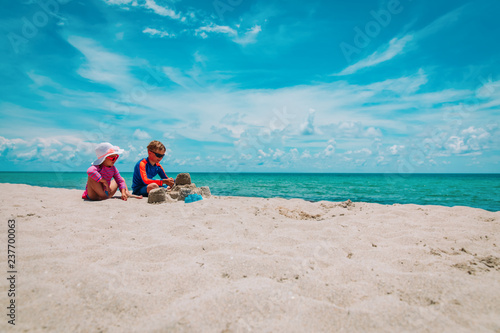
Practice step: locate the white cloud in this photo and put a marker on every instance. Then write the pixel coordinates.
(42, 81)
(163, 11)
(64, 153)
(119, 2)
(308, 128)
(101, 65)
(396, 149)
(148, 4)
(200, 58)
(158, 33)
(328, 151)
(250, 36)
(404, 85)
(373, 132)
(177, 76)
(305, 154)
(343, 107)
(470, 141)
(278, 153)
(441, 23)
(246, 156)
(8, 144)
(352, 129)
(397, 46)
(354, 114)
(141, 135)
(365, 151)
(168, 135)
(488, 88)
(216, 29)
(394, 48)
(456, 145)
(263, 153)
(476, 138)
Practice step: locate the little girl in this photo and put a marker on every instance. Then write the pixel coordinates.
(100, 184)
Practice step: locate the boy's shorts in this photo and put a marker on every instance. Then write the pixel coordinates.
(141, 191)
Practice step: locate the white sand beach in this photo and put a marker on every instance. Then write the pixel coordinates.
(233, 264)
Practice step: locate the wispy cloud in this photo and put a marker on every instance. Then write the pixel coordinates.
(100, 65)
(163, 11)
(441, 23)
(220, 29)
(148, 4)
(158, 33)
(398, 46)
(177, 76)
(242, 90)
(395, 47)
(141, 135)
(120, 2)
(248, 37)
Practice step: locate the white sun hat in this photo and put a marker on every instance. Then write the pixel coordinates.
(105, 149)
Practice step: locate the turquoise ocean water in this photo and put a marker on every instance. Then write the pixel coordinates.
(473, 190)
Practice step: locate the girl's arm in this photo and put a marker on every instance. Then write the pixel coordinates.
(94, 173)
(123, 186)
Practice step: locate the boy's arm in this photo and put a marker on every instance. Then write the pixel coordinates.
(161, 172)
(164, 177)
(144, 175)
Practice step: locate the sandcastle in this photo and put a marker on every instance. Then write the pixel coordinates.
(182, 188)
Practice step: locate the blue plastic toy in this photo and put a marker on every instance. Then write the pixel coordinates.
(192, 198)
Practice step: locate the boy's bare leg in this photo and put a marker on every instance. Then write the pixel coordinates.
(151, 186)
(95, 190)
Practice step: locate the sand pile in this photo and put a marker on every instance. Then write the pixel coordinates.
(182, 188)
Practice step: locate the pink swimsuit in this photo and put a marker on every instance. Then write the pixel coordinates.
(97, 172)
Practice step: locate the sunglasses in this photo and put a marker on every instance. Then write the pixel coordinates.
(158, 155)
(112, 158)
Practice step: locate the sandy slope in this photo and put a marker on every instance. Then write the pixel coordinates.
(231, 264)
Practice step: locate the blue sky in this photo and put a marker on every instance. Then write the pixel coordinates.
(245, 86)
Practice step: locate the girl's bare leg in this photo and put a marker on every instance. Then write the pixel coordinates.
(95, 190)
(112, 187)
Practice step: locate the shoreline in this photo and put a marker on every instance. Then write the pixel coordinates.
(249, 264)
(402, 174)
(284, 198)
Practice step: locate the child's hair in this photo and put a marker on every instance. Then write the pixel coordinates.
(156, 145)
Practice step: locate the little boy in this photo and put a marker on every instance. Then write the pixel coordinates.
(148, 168)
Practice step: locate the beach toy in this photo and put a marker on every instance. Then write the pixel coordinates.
(192, 198)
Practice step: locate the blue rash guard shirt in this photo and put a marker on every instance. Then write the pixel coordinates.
(144, 173)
